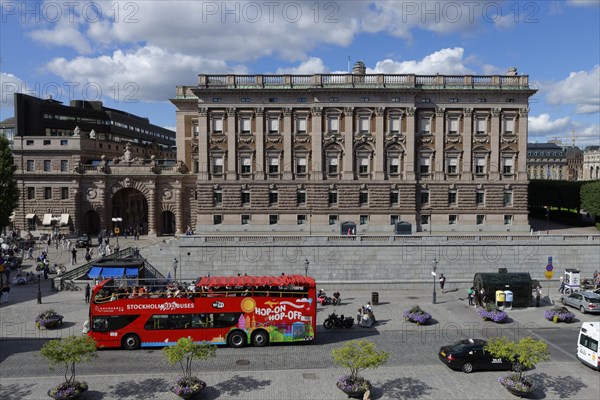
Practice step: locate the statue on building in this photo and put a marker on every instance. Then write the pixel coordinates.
(76, 131)
(92, 134)
(127, 155)
(103, 166)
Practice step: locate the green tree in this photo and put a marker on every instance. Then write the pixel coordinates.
(9, 191)
(185, 351)
(590, 198)
(359, 355)
(527, 352)
(68, 352)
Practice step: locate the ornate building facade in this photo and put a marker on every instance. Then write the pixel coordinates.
(591, 163)
(356, 153)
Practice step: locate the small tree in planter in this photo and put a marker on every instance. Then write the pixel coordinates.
(525, 354)
(184, 353)
(68, 352)
(49, 319)
(357, 355)
(492, 313)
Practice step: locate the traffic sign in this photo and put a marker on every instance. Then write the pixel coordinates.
(549, 259)
(549, 267)
(117, 230)
(549, 274)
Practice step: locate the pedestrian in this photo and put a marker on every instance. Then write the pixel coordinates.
(561, 288)
(87, 293)
(482, 297)
(538, 295)
(74, 256)
(477, 298)
(470, 294)
(442, 282)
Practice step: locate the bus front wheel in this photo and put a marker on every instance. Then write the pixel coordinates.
(236, 339)
(131, 342)
(260, 339)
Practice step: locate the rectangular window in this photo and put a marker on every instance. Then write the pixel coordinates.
(273, 100)
(424, 219)
(217, 198)
(217, 99)
(217, 125)
(507, 166)
(394, 166)
(273, 219)
(364, 99)
(395, 125)
(196, 167)
(480, 198)
(47, 165)
(394, 197)
(332, 124)
(30, 165)
(508, 219)
(453, 100)
(301, 198)
(333, 219)
(245, 197)
(364, 219)
(452, 218)
(301, 100)
(509, 126)
(452, 198)
(395, 100)
(425, 100)
(363, 125)
(480, 219)
(334, 99)
(425, 125)
(363, 165)
(47, 193)
(452, 165)
(301, 165)
(64, 193)
(29, 142)
(273, 197)
(273, 125)
(480, 126)
(218, 166)
(47, 142)
(508, 198)
(246, 166)
(30, 193)
(64, 142)
(453, 126)
(424, 165)
(217, 219)
(424, 198)
(332, 165)
(333, 198)
(510, 100)
(245, 122)
(480, 165)
(301, 125)
(301, 219)
(363, 198)
(482, 100)
(196, 130)
(394, 219)
(245, 219)
(273, 165)
(245, 100)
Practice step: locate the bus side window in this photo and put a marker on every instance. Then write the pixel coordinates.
(99, 325)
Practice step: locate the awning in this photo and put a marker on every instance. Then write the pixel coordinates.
(30, 216)
(47, 221)
(112, 272)
(94, 272)
(131, 272)
(64, 219)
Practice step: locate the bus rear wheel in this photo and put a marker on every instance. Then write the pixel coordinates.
(131, 341)
(260, 339)
(236, 339)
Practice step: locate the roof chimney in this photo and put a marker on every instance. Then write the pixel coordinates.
(359, 68)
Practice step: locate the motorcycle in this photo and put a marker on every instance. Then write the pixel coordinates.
(338, 321)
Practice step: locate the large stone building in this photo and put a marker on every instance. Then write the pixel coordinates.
(79, 166)
(591, 163)
(331, 153)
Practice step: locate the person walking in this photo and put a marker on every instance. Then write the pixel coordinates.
(74, 256)
(538, 295)
(442, 282)
(470, 295)
(88, 290)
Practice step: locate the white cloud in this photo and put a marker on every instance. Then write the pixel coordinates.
(313, 65)
(580, 88)
(543, 124)
(148, 73)
(63, 34)
(505, 22)
(445, 61)
(584, 3)
(9, 85)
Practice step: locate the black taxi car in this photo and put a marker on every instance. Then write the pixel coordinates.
(469, 355)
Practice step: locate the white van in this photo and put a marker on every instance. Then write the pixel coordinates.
(587, 348)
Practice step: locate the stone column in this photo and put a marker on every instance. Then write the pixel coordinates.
(203, 143)
(152, 220)
(259, 172)
(411, 165)
(467, 134)
(439, 169)
(316, 165)
(179, 216)
(379, 142)
(348, 160)
(288, 128)
(522, 145)
(231, 135)
(494, 134)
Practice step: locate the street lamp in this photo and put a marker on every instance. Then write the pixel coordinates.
(434, 262)
(116, 221)
(175, 262)
(306, 264)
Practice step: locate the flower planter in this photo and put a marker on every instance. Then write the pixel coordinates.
(186, 388)
(353, 389)
(522, 388)
(559, 314)
(497, 316)
(68, 392)
(49, 320)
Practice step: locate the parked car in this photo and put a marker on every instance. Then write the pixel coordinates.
(469, 355)
(22, 279)
(585, 301)
(83, 241)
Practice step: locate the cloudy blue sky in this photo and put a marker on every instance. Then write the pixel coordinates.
(132, 54)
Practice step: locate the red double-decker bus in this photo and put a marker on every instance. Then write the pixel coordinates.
(236, 311)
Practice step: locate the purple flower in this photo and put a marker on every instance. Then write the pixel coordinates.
(512, 381)
(187, 386)
(493, 315)
(346, 384)
(416, 314)
(68, 390)
(561, 313)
